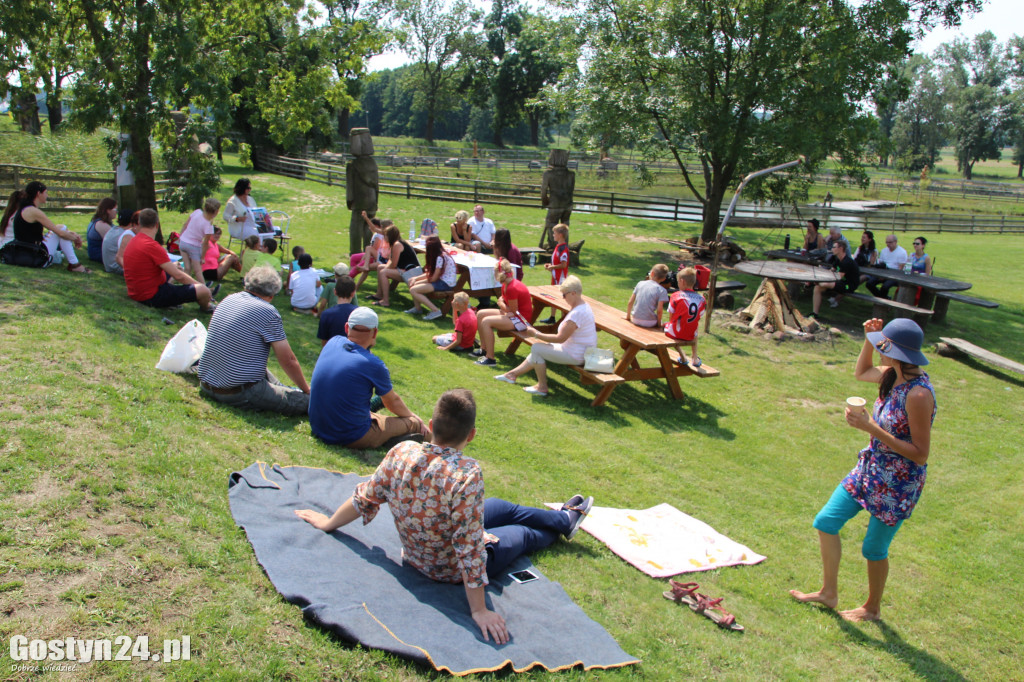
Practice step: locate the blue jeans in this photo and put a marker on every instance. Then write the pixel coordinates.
(520, 530)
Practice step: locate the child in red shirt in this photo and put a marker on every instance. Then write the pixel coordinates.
(559, 265)
(685, 308)
(464, 337)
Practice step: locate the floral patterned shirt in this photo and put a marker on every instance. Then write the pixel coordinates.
(436, 496)
(885, 483)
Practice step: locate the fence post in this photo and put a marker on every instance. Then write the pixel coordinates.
(611, 209)
(408, 188)
(972, 223)
(675, 214)
(328, 177)
(1002, 225)
(476, 192)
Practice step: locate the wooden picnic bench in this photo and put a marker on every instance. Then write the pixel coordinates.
(881, 305)
(942, 299)
(632, 339)
(949, 345)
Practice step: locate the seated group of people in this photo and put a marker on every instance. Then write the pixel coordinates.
(836, 252)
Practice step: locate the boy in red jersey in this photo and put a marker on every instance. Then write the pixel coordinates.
(559, 265)
(685, 308)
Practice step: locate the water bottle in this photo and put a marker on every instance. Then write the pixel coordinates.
(412, 230)
(533, 259)
(786, 245)
(907, 267)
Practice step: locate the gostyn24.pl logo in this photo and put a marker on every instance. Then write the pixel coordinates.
(121, 648)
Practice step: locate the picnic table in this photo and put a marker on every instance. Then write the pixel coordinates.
(792, 255)
(930, 284)
(476, 273)
(772, 301)
(632, 339)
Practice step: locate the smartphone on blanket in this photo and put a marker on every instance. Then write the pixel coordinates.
(524, 576)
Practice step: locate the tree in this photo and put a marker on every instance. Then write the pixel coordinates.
(741, 84)
(974, 75)
(887, 96)
(435, 39)
(921, 123)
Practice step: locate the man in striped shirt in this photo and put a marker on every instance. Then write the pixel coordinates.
(244, 327)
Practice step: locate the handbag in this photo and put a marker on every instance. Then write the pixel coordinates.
(25, 254)
(598, 360)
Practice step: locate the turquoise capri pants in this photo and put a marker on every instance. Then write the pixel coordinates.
(842, 507)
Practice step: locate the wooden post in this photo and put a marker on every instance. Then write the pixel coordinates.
(408, 189)
(611, 209)
(675, 213)
(940, 223)
(972, 223)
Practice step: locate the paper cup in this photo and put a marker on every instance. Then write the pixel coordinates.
(856, 402)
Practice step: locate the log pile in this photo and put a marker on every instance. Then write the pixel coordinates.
(731, 252)
(772, 310)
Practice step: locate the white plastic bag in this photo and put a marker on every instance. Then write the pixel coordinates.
(184, 349)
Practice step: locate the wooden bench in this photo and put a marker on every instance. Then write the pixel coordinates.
(950, 345)
(942, 299)
(879, 306)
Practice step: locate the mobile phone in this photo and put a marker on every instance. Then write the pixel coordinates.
(518, 323)
(524, 576)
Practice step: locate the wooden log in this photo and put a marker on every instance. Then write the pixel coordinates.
(982, 354)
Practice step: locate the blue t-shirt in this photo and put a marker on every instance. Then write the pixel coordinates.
(344, 379)
(333, 320)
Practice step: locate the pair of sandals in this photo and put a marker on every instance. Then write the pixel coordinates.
(686, 593)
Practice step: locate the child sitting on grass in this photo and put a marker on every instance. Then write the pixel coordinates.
(463, 338)
(334, 318)
(304, 286)
(259, 253)
(296, 252)
(685, 308)
(647, 302)
(218, 261)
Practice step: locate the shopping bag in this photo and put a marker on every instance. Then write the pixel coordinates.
(184, 349)
(598, 360)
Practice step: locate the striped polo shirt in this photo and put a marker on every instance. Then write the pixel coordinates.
(238, 341)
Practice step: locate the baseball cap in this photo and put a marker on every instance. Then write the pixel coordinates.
(363, 317)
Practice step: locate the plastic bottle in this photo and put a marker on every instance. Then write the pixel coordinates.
(786, 246)
(533, 259)
(907, 267)
(412, 230)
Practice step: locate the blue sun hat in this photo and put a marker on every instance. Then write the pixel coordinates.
(901, 340)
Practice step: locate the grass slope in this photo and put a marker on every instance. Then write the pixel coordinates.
(113, 476)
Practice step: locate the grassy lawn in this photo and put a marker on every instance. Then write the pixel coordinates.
(113, 475)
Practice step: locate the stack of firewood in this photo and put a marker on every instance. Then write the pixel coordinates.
(772, 310)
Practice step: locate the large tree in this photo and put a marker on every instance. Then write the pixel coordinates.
(920, 127)
(975, 73)
(740, 84)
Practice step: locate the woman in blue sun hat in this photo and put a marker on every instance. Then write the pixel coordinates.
(890, 472)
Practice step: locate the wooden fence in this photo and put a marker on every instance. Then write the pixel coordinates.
(70, 191)
(413, 186)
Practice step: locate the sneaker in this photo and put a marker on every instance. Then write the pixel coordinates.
(433, 315)
(214, 287)
(209, 309)
(477, 352)
(533, 390)
(414, 311)
(550, 320)
(486, 361)
(577, 507)
(833, 302)
(502, 377)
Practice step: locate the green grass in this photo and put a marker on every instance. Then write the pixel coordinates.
(114, 498)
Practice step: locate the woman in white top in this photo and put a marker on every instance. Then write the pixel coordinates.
(576, 333)
(238, 213)
(440, 276)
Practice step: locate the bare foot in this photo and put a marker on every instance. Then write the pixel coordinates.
(860, 614)
(815, 597)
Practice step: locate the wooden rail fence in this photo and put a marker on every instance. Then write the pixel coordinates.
(70, 191)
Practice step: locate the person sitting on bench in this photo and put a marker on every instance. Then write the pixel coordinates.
(449, 531)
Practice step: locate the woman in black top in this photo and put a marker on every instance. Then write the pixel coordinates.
(30, 221)
(402, 265)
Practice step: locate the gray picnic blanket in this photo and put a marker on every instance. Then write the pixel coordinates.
(353, 582)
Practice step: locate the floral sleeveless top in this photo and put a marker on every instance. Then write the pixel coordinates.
(885, 483)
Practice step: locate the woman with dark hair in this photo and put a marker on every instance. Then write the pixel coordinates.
(440, 275)
(238, 213)
(102, 221)
(890, 472)
(7, 222)
(504, 248)
(866, 254)
(30, 222)
(920, 261)
(402, 266)
(813, 240)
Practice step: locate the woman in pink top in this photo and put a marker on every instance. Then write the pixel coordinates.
(515, 298)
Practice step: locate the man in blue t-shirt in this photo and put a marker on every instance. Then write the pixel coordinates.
(346, 376)
(334, 319)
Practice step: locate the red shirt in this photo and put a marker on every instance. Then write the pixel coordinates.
(466, 324)
(560, 255)
(142, 272)
(514, 290)
(685, 309)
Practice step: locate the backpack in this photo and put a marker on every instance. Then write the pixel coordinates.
(172, 243)
(25, 254)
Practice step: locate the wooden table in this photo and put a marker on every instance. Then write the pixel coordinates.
(792, 255)
(633, 340)
(929, 285)
(464, 264)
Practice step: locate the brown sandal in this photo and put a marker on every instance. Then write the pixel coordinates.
(681, 593)
(712, 610)
(84, 270)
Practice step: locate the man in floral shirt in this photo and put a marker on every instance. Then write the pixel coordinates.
(449, 532)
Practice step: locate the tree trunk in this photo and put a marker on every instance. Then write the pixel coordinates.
(27, 113)
(343, 124)
(430, 127)
(712, 211)
(497, 138)
(968, 169)
(1020, 169)
(217, 144)
(534, 119)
